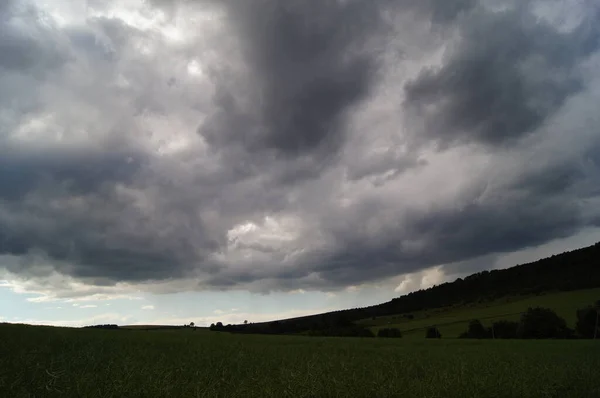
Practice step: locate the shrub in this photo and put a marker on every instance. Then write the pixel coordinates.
(542, 323)
(505, 330)
(433, 333)
(476, 331)
(587, 322)
(389, 332)
(218, 327)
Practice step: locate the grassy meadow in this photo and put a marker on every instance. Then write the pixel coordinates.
(452, 321)
(47, 362)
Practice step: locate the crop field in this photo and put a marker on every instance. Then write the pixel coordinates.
(46, 362)
(453, 321)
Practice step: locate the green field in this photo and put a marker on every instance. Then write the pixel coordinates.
(44, 361)
(454, 320)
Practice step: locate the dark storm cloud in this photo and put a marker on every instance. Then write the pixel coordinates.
(104, 236)
(79, 172)
(510, 71)
(530, 212)
(309, 61)
(25, 42)
(284, 81)
(480, 229)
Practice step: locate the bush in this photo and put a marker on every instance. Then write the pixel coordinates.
(476, 331)
(389, 332)
(587, 322)
(542, 323)
(433, 333)
(218, 327)
(505, 330)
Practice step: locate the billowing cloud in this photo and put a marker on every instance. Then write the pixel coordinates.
(266, 145)
(497, 91)
(304, 74)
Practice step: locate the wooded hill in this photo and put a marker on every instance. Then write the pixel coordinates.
(574, 270)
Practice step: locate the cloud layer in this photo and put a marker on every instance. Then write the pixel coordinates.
(282, 145)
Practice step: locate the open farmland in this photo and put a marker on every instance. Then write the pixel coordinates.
(43, 361)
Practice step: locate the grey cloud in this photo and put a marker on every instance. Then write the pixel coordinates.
(102, 237)
(515, 221)
(27, 44)
(510, 71)
(480, 229)
(375, 165)
(280, 85)
(306, 71)
(80, 171)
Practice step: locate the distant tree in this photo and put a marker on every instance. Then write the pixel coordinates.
(389, 332)
(542, 323)
(192, 324)
(476, 331)
(275, 327)
(597, 330)
(212, 326)
(433, 333)
(341, 321)
(218, 326)
(504, 329)
(245, 322)
(587, 321)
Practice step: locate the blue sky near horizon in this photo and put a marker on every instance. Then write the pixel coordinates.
(209, 160)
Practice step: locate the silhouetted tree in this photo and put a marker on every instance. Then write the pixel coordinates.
(390, 333)
(597, 329)
(476, 331)
(542, 323)
(245, 322)
(587, 321)
(504, 329)
(433, 333)
(275, 327)
(218, 326)
(341, 321)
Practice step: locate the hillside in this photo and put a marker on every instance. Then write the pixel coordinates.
(452, 321)
(574, 270)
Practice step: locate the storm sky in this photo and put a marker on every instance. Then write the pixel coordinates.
(224, 150)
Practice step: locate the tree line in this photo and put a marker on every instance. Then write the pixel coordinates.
(540, 323)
